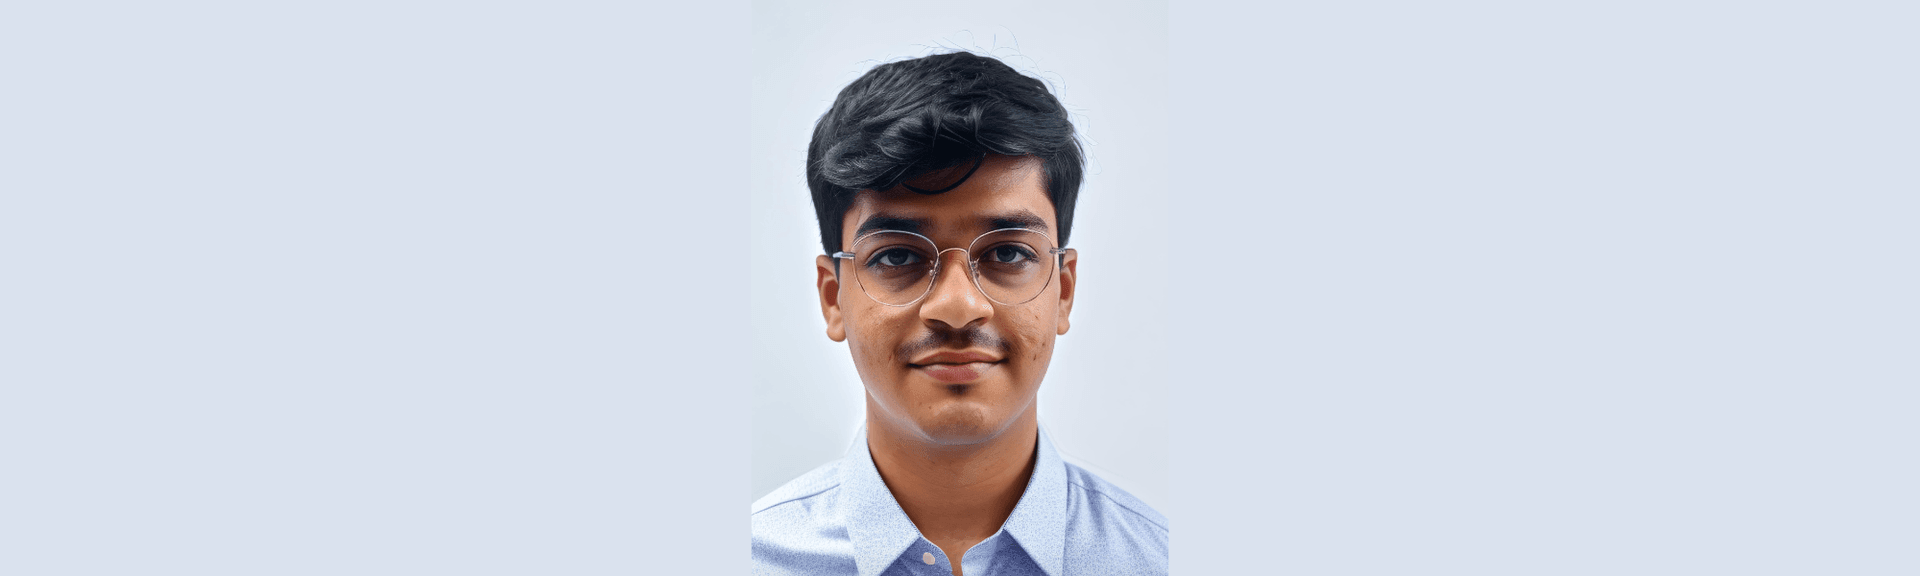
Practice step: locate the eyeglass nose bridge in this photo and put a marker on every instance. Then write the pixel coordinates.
(943, 254)
(966, 259)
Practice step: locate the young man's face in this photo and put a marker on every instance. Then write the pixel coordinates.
(954, 367)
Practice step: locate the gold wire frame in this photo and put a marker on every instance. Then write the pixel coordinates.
(973, 270)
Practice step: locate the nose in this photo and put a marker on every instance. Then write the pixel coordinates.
(955, 300)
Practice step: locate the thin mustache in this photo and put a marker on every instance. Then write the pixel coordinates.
(954, 339)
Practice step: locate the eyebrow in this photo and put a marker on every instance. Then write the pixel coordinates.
(878, 222)
(1021, 219)
(886, 222)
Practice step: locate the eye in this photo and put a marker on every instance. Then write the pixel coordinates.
(895, 257)
(1009, 254)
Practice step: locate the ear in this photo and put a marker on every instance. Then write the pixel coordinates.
(829, 285)
(1069, 268)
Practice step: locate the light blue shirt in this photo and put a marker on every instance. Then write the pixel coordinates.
(841, 519)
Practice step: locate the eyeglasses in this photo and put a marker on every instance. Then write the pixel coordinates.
(1011, 266)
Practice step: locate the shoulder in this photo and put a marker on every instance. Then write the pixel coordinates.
(797, 528)
(808, 486)
(1111, 526)
(1103, 495)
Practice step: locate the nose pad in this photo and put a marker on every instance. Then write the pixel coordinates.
(956, 307)
(966, 268)
(940, 262)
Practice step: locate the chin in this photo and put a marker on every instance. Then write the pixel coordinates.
(960, 424)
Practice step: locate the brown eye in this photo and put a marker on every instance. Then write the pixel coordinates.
(895, 257)
(1009, 254)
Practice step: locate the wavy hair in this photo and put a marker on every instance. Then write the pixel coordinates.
(903, 119)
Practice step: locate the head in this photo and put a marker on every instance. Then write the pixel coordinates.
(949, 147)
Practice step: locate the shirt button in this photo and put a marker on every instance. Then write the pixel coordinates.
(926, 557)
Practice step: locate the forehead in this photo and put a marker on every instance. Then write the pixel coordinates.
(1003, 192)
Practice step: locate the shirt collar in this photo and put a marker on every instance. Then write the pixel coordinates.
(1039, 520)
(881, 531)
(875, 522)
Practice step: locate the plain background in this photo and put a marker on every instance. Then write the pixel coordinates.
(1104, 397)
(1594, 288)
(369, 288)
(374, 288)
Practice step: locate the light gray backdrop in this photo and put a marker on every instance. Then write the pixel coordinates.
(1590, 288)
(369, 288)
(1103, 400)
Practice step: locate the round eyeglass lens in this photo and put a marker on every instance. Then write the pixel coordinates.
(1012, 266)
(894, 268)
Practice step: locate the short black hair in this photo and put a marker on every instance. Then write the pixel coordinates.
(903, 119)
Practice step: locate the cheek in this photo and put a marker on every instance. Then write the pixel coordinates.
(1031, 332)
(872, 336)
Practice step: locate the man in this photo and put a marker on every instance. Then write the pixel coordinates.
(944, 188)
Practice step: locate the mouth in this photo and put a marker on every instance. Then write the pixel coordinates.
(955, 367)
(955, 373)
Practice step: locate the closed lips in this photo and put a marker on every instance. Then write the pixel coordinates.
(955, 358)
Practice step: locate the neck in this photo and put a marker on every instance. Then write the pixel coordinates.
(956, 494)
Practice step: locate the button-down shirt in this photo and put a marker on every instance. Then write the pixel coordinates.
(841, 519)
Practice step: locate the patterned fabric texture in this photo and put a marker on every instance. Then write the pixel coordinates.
(840, 519)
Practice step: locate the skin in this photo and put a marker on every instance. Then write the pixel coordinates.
(957, 456)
